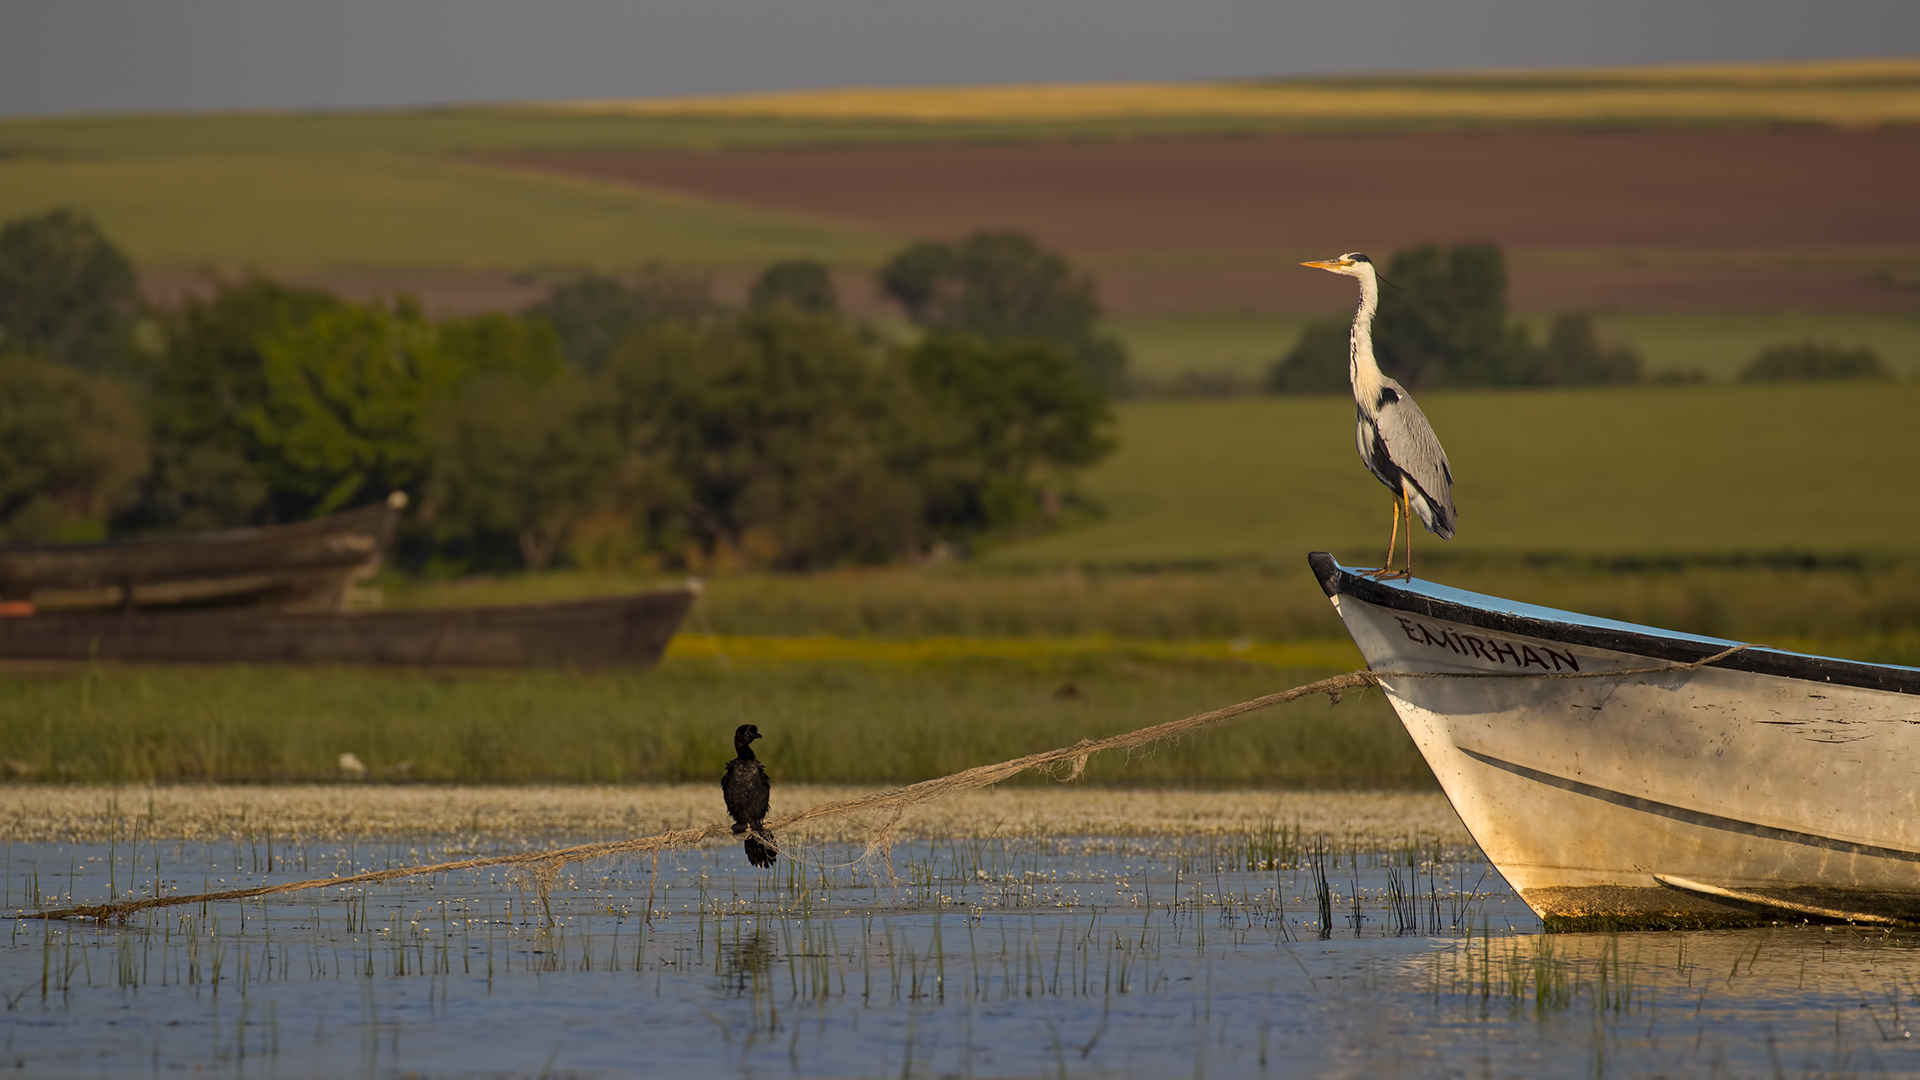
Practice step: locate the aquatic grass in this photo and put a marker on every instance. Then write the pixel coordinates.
(850, 722)
(886, 970)
(1545, 974)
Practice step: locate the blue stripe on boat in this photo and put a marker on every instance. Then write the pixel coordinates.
(1493, 612)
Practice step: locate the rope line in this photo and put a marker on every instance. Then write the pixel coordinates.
(544, 866)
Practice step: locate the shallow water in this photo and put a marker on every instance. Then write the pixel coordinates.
(1092, 957)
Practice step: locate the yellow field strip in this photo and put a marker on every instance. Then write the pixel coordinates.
(1865, 92)
(1322, 654)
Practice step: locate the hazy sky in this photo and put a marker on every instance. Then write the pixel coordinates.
(64, 56)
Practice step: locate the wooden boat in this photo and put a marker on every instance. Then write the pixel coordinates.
(1617, 787)
(615, 631)
(306, 566)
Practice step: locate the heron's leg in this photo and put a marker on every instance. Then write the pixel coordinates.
(1393, 541)
(1408, 576)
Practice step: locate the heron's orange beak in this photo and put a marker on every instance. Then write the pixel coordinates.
(1325, 264)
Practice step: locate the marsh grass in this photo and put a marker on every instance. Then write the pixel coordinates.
(1267, 612)
(851, 722)
(1132, 909)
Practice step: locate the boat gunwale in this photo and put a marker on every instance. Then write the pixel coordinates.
(468, 612)
(1612, 635)
(629, 630)
(352, 520)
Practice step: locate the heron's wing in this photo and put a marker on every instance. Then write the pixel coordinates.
(1414, 447)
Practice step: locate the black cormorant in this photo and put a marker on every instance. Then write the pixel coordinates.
(747, 788)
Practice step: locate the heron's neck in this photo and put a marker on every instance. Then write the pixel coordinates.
(744, 751)
(1361, 367)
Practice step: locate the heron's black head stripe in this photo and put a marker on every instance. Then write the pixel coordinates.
(1357, 257)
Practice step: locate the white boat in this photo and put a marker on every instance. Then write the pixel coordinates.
(1617, 785)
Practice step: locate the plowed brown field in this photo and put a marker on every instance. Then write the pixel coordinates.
(1766, 218)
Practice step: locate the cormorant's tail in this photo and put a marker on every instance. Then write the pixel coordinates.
(758, 852)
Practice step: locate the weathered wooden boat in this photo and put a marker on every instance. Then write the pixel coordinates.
(628, 631)
(306, 566)
(1618, 785)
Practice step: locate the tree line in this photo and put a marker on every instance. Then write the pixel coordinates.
(1443, 323)
(616, 422)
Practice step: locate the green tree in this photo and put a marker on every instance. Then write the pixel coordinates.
(1443, 320)
(519, 460)
(593, 314)
(73, 447)
(802, 284)
(1007, 422)
(209, 379)
(1811, 360)
(1573, 356)
(346, 391)
(66, 292)
(1001, 286)
(769, 439)
(1317, 363)
(499, 344)
(348, 388)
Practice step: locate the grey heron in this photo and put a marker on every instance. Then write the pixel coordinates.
(1396, 443)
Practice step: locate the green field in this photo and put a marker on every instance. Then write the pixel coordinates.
(1602, 473)
(306, 209)
(826, 722)
(1719, 345)
(405, 189)
(1238, 346)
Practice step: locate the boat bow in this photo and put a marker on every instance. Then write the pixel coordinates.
(1616, 780)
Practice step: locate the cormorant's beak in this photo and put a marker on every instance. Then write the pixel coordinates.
(1326, 264)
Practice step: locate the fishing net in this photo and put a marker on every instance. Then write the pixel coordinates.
(1066, 763)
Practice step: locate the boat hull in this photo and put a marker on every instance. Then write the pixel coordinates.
(1769, 785)
(305, 566)
(629, 631)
